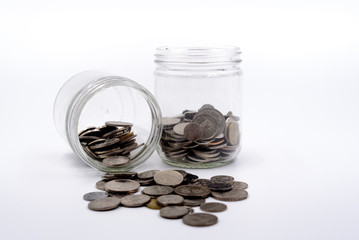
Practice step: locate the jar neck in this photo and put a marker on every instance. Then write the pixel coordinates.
(198, 62)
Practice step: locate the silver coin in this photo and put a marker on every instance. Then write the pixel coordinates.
(157, 190)
(193, 191)
(170, 200)
(104, 204)
(193, 202)
(118, 124)
(239, 185)
(147, 174)
(193, 132)
(206, 106)
(170, 122)
(115, 161)
(122, 186)
(232, 133)
(179, 128)
(222, 178)
(230, 196)
(107, 143)
(174, 212)
(90, 153)
(135, 200)
(100, 185)
(95, 195)
(208, 124)
(213, 207)
(206, 154)
(200, 219)
(168, 178)
(86, 130)
(218, 116)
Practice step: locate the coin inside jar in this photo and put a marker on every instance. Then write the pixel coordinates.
(115, 161)
(193, 132)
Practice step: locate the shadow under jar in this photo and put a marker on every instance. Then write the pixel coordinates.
(112, 123)
(199, 91)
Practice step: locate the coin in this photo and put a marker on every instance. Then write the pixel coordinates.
(200, 219)
(195, 202)
(239, 185)
(135, 200)
(100, 185)
(232, 133)
(121, 175)
(193, 191)
(157, 190)
(147, 174)
(118, 124)
(193, 131)
(86, 130)
(168, 178)
(206, 106)
(190, 178)
(222, 178)
(202, 181)
(179, 128)
(208, 124)
(115, 161)
(94, 195)
(230, 196)
(219, 186)
(213, 207)
(182, 172)
(169, 200)
(90, 153)
(174, 212)
(122, 186)
(146, 182)
(169, 122)
(107, 143)
(218, 116)
(153, 204)
(104, 204)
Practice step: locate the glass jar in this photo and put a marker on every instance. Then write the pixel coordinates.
(199, 92)
(92, 98)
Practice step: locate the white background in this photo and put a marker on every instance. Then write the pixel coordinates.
(301, 114)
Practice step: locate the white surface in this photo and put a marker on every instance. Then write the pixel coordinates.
(300, 152)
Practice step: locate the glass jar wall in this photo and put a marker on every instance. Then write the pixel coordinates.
(199, 91)
(108, 117)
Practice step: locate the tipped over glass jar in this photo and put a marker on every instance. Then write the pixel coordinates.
(199, 91)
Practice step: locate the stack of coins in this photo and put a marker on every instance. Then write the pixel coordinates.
(174, 192)
(203, 136)
(111, 144)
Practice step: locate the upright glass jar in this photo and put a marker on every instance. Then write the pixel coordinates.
(199, 91)
(103, 116)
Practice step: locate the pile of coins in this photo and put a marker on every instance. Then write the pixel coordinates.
(111, 144)
(173, 192)
(203, 136)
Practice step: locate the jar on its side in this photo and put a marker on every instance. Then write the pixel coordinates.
(92, 98)
(199, 91)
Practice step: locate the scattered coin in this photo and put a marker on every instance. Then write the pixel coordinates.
(195, 202)
(222, 178)
(95, 195)
(115, 161)
(153, 204)
(157, 190)
(147, 174)
(230, 196)
(168, 178)
(122, 186)
(219, 186)
(174, 212)
(193, 191)
(146, 182)
(200, 219)
(213, 207)
(104, 204)
(135, 200)
(239, 185)
(100, 185)
(170, 200)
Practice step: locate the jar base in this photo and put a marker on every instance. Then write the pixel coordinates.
(182, 164)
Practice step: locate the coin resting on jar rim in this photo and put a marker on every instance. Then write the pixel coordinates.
(201, 136)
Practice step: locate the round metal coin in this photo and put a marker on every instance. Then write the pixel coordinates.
(169, 122)
(174, 212)
(239, 185)
(193, 191)
(219, 186)
(100, 185)
(95, 195)
(115, 161)
(232, 133)
(104, 204)
(193, 202)
(230, 196)
(122, 186)
(157, 190)
(179, 128)
(213, 207)
(222, 178)
(147, 174)
(193, 131)
(168, 178)
(135, 200)
(200, 219)
(208, 125)
(168, 200)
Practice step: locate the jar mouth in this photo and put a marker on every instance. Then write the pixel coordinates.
(199, 55)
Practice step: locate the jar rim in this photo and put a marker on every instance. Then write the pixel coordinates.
(197, 51)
